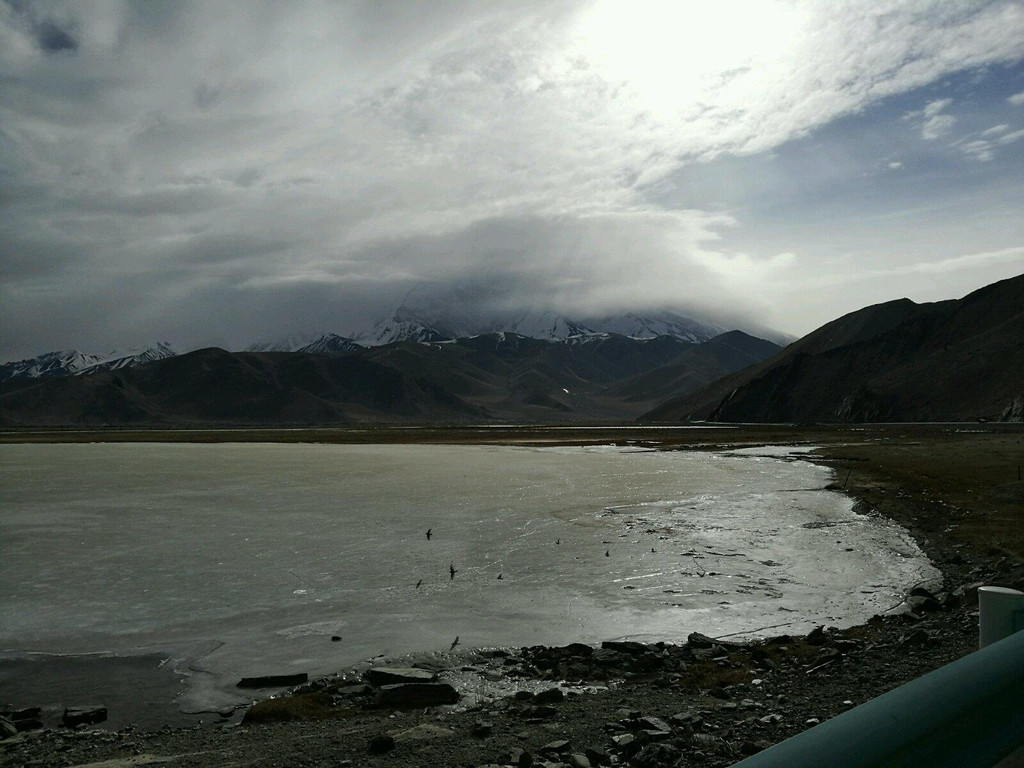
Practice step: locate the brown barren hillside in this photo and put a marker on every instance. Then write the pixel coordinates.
(898, 361)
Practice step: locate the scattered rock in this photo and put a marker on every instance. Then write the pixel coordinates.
(395, 675)
(630, 647)
(657, 756)
(697, 640)
(381, 744)
(915, 638)
(307, 706)
(650, 723)
(550, 696)
(579, 761)
(968, 592)
(540, 712)
(422, 732)
(519, 758)
(482, 729)
(7, 729)
(816, 636)
(84, 715)
(355, 690)
(28, 724)
(624, 741)
(607, 657)
(578, 649)
(272, 681)
(597, 756)
(920, 591)
(921, 604)
(706, 742)
(415, 695)
(556, 747)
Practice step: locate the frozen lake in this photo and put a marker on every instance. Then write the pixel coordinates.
(242, 559)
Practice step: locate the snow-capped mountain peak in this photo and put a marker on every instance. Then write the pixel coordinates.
(59, 363)
(331, 344)
(291, 343)
(473, 308)
(129, 358)
(74, 363)
(550, 326)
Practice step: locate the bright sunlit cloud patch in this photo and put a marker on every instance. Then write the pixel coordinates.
(674, 55)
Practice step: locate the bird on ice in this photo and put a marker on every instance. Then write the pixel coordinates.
(499, 577)
(428, 533)
(452, 571)
(419, 583)
(454, 643)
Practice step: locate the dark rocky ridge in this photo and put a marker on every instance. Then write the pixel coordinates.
(950, 361)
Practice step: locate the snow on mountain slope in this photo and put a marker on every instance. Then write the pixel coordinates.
(432, 313)
(291, 343)
(540, 325)
(663, 323)
(60, 363)
(130, 358)
(74, 363)
(394, 329)
(330, 344)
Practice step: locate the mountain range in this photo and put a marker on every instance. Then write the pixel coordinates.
(499, 376)
(956, 360)
(421, 317)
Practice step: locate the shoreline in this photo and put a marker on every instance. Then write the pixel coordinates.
(954, 538)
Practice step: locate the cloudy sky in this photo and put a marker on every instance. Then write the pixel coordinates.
(215, 172)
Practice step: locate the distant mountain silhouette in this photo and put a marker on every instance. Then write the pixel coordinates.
(499, 376)
(899, 361)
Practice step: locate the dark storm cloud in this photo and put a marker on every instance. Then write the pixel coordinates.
(50, 35)
(53, 38)
(215, 172)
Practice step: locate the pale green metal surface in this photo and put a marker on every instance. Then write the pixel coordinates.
(968, 714)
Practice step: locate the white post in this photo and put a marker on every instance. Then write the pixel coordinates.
(1000, 614)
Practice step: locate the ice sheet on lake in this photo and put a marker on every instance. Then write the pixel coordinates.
(259, 553)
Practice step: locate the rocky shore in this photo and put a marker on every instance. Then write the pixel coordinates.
(700, 702)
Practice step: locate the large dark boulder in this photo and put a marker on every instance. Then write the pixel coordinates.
(396, 675)
(273, 681)
(630, 647)
(84, 715)
(415, 695)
